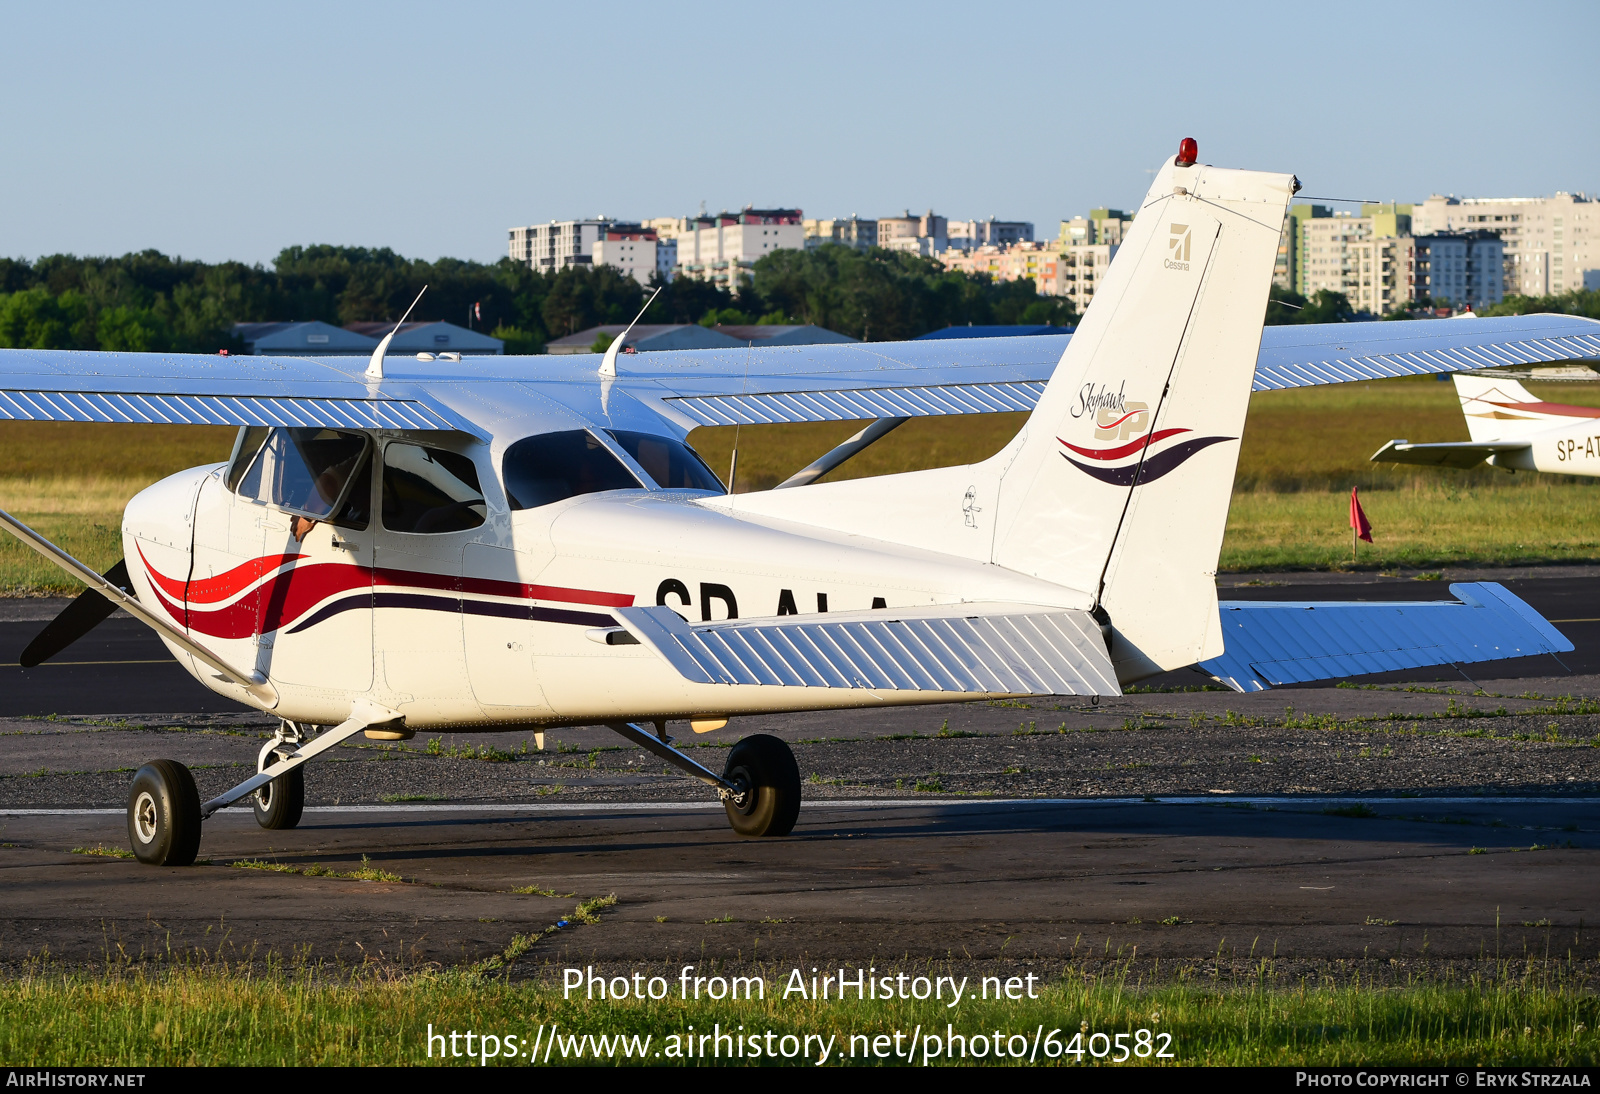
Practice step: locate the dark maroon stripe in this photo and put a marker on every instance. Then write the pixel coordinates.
(424, 602)
(1153, 467)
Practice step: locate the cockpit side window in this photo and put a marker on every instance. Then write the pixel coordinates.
(551, 466)
(430, 490)
(671, 463)
(306, 471)
(251, 438)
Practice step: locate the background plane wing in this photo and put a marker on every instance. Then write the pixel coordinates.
(1275, 642)
(1443, 454)
(757, 385)
(967, 649)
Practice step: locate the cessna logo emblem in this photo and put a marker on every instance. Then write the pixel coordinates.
(1127, 423)
(1178, 244)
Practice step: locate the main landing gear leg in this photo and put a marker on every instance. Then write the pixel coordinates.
(164, 809)
(759, 787)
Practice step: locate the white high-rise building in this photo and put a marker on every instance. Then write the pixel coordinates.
(724, 248)
(1552, 245)
(557, 245)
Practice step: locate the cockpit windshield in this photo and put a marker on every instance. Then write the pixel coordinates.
(551, 466)
(671, 463)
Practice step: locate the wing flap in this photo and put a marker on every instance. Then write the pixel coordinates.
(962, 649)
(1270, 643)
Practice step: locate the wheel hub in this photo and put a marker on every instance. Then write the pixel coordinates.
(144, 817)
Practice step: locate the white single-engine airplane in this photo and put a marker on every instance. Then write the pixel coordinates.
(1511, 428)
(514, 543)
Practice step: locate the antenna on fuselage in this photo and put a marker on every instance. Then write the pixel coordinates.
(375, 366)
(608, 363)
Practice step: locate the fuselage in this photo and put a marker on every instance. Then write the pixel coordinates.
(496, 624)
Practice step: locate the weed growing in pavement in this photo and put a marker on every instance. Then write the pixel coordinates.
(721, 919)
(100, 850)
(933, 784)
(395, 798)
(530, 890)
(367, 872)
(1378, 921)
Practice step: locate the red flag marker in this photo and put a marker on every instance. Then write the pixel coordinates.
(1360, 526)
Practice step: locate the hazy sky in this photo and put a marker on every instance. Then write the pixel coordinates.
(220, 130)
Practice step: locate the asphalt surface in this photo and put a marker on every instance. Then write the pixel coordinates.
(1384, 827)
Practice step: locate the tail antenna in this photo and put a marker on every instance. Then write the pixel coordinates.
(608, 364)
(375, 366)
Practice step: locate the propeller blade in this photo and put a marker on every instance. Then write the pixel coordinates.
(80, 617)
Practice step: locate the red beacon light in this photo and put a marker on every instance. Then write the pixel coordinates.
(1188, 153)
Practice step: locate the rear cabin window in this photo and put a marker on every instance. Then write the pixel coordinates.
(671, 463)
(308, 471)
(430, 490)
(552, 466)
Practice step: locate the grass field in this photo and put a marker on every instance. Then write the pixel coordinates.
(1302, 451)
(211, 1015)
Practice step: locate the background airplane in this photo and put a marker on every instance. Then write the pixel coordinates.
(1511, 428)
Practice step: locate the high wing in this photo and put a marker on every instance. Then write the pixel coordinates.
(1461, 454)
(690, 388)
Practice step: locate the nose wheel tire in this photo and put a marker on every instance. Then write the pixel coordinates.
(280, 803)
(164, 815)
(768, 802)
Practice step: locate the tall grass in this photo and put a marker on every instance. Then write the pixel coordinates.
(211, 1015)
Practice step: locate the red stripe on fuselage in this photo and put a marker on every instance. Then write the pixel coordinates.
(1123, 450)
(290, 594)
(1561, 409)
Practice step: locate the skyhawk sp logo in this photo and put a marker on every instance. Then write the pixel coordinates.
(1178, 244)
(1117, 418)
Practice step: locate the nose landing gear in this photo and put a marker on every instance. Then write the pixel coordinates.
(164, 815)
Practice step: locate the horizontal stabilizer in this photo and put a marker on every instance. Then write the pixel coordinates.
(1270, 643)
(1461, 454)
(964, 649)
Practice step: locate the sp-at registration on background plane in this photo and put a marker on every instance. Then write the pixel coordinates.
(524, 543)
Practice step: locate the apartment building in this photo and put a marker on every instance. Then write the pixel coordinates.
(1107, 226)
(1036, 262)
(725, 247)
(851, 231)
(1460, 269)
(631, 248)
(1083, 266)
(557, 245)
(925, 235)
(969, 235)
(1552, 245)
(1358, 256)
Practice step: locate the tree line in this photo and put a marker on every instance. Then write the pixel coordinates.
(150, 301)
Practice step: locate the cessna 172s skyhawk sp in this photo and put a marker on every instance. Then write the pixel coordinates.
(520, 544)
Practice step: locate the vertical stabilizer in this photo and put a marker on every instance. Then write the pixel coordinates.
(1489, 404)
(1121, 480)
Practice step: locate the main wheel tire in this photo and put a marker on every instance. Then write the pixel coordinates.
(769, 804)
(280, 803)
(164, 814)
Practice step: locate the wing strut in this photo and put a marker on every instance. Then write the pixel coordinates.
(254, 683)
